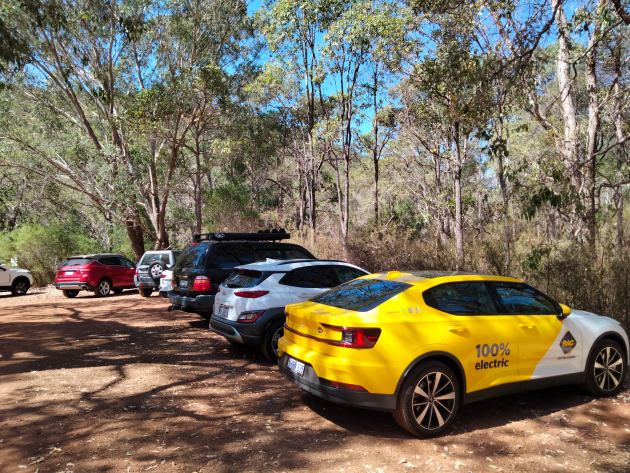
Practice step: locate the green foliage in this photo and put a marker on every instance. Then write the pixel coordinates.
(406, 214)
(43, 248)
(535, 257)
(230, 208)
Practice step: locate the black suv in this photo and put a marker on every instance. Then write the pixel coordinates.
(211, 257)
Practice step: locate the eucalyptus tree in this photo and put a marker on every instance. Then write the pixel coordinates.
(354, 46)
(561, 78)
(72, 74)
(454, 81)
(293, 30)
(87, 66)
(196, 43)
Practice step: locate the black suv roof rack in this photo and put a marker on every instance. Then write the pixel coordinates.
(265, 235)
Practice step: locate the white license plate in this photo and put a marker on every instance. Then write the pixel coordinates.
(69, 273)
(296, 366)
(183, 283)
(223, 311)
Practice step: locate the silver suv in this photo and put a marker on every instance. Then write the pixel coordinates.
(150, 268)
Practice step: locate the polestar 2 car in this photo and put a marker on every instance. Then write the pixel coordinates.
(421, 344)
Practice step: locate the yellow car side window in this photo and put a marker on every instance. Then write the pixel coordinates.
(461, 298)
(521, 299)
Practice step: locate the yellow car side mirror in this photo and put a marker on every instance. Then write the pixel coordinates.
(566, 310)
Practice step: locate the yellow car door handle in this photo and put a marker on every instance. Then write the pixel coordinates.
(526, 325)
(456, 328)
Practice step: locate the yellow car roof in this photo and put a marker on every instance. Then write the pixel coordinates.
(436, 277)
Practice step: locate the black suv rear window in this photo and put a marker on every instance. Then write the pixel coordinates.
(361, 295)
(77, 262)
(230, 256)
(194, 256)
(243, 278)
(296, 253)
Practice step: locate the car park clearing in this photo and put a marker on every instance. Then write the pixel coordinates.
(120, 385)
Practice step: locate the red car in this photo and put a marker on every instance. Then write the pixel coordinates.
(101, 274)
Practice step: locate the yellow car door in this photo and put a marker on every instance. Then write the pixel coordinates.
(485, 342)
(537, 323)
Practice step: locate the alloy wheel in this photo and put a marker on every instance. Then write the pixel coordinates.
(433, 400)
(278, 334)
(156, 271)
(103, 288)
(608, 369)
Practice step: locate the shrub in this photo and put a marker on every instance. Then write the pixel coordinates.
(42, 249)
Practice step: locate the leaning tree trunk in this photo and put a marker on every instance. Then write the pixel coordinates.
(135, 234)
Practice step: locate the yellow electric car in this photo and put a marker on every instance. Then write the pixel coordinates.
(420, 344)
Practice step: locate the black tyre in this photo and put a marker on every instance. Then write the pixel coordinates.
(156, 269)
(70, 293)
(145, 292)
(605, 369)
(103, 288)
(428, 400)
(270, 344)
(20, 286)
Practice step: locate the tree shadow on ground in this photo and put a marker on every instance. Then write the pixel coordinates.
(481, 415)
(153, 386)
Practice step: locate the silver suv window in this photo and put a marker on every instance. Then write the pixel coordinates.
(149, 258)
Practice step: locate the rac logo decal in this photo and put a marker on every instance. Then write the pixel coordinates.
(568, 343)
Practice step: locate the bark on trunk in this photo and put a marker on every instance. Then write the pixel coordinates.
(590, 74)
(565, 84)
(505, 197)
(375, 152)
(457, 184)
(621, 151)
(135, 234)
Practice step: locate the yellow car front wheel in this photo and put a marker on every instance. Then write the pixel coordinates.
(429, 400)
(605, 369)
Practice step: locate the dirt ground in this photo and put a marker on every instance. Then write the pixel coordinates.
(121, 385)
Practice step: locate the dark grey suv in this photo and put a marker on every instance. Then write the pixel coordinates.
(211, 257)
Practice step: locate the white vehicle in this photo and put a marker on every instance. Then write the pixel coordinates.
(249, 306)
(166, 283)
(15, 280)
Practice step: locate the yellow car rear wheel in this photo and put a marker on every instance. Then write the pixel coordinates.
(429, 400)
